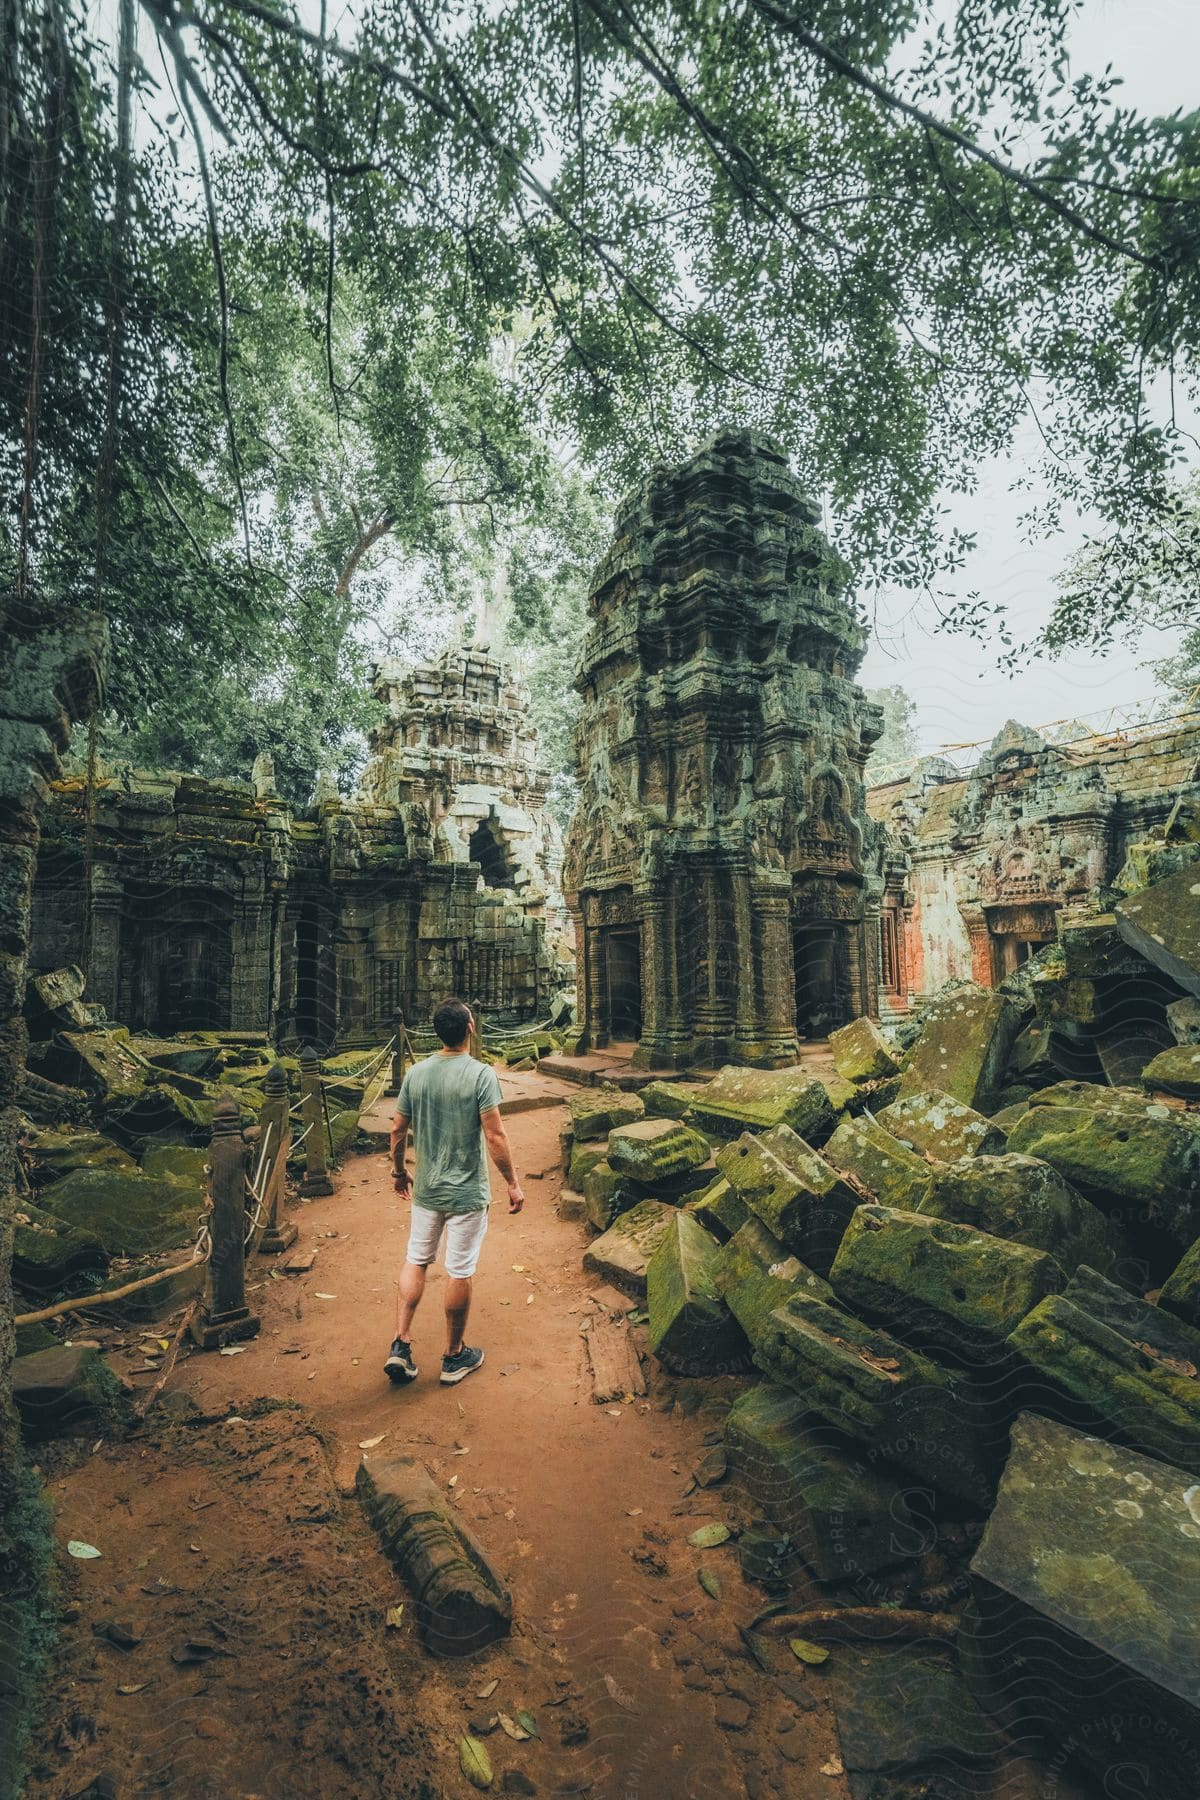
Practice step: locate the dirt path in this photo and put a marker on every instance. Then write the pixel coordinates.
(638, 1679)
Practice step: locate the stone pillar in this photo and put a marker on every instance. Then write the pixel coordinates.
(274, 1119)
(250, 967)
(104, 951)
(980, 939)
(767, 985)
(661, 1038)
(316, 1168)
(354, 984)
(399, 1050)
(224, 1317)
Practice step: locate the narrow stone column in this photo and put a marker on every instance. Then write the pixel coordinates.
(399, 1050)
(224, 1317)
(278, 1233)
(104, 951)
(316, 1168)
(769, 981)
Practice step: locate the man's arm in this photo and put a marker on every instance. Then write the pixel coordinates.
(401, 1179)
(501, 1154)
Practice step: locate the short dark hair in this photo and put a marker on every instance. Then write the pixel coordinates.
(452, 1021)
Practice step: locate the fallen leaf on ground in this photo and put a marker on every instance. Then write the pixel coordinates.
(473, 1761)
(81, 1550)
(485, 1693)
(324, 1296)
(528, 1723)
(709, 1583)
(233, 1349)
(196, 1650)
(529, 1299)
(614, 1412)
(633, 1512)
(394, 1616)
(619, 1695)
(808, 1653)
(709, 1536)
(134, 1687)
(518, 1268)
(517, 1733)
(370, 1443)
(453, 1481)
(833, 1767)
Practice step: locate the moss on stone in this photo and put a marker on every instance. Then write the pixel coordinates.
(583, 1159)
(59, 1152)
(667, 1099)
(621, 1255)
(47, 1249)
(881, 1165)
(798, 1196)
(596, 1111)
(691, 1330)
(1175, 1071)
(177, 1162)
(1180, 1292)
(719, 1209)
(606, 1194)
(738, 1100)
(861, 1052)
(941, 1127)
(963, 1046)
(656, 1149)
(1022, 1198)
(132, 1215)
(755, 1273)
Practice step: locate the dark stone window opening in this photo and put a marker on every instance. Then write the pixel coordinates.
(488, 849)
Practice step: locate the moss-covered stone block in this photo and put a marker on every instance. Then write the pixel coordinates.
(1180, 1292)
(667, 1099)
(47, 1250)
(606, 1194)
(1022, 1198)
(177, 1162)
(964, 1044)
(1183, 1018)
(583, 1159)
(597, 1111)
(1163, 924)
(691, 1330)
(1120, 1148)
(1084, 1629)
(845, 1517)
(755, 1273)
(1175, 1071)
(1131, 1366)
(941, 1285)
(939, 1126)
(719, 1208)
(64, 1391)
(799, 1196)
(622, 1254)
(100, 1061)
(738, 1100)
(132, 1215)
(937, 1423)
(57, 1153)
(879, 1163)
(1010, 1112)
(654, 1150)
(163, 1112)
(1091, 945)
(861, 1052)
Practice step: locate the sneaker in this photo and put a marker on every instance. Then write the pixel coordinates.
(463, 1362)
(400, 1366)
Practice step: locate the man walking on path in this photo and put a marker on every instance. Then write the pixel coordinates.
(452, 1103)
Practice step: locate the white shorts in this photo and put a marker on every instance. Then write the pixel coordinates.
(464, 1239)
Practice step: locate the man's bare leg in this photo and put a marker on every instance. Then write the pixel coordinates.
(409, 1289)
(458, 1305)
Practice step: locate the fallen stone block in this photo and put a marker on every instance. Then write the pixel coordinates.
(1091, 944)
(461, 1604)
(59, 1153)
(883, 1168)
(798, 1196)
(583, 1159)
(597, 1111)
(938, 1126)
(904, 1709)
(667, 1099)
(755, 1273)
(719, 1208)
(46, 1250)
(964, 1044)
(1032, 1055)
(622, 1254)
(941, 1285)
(654, 1150)
(738, 1100)
(1022, 1198)
(177, 1162)
(163, 1112)
(845, 1517)
(861, 1052)
(1183, 1018)
(1174, 1071)
(606, 1195)
(1133, 1155)
(903, 1407)
(97, 1060)
(132, 1215)
(1163, 925)
(1131, 1366)
(65, 1391)
(691, 1329)
(1084, 1634)
(1011, 1111)
(1180, 1292)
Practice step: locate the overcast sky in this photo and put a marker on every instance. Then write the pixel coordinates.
(961, 695)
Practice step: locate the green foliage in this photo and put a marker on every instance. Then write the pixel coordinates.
(899, 740)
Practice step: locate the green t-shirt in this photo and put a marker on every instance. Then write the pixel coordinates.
(443, 1098)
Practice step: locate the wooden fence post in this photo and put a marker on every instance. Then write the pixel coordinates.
(224, 1317)
(278, 1233)
(316, 1167)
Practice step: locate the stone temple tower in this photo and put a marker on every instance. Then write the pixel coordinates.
(715, 862)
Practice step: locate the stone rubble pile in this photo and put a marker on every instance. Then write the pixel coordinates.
(969, 1271)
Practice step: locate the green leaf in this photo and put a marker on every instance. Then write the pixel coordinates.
(474, 1763)
(709, 1583)
(528, 1723)
(808, 1653)
(83, 1551)
(709, 1536)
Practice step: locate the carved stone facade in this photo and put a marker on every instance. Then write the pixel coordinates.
(214, 907)
(717, 864)
(978, 867)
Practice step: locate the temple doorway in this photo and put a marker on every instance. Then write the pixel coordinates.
(818, 959)
(316, 1002)
(177, 963)
(623, 968)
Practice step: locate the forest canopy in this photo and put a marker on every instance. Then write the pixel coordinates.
(311, 329)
